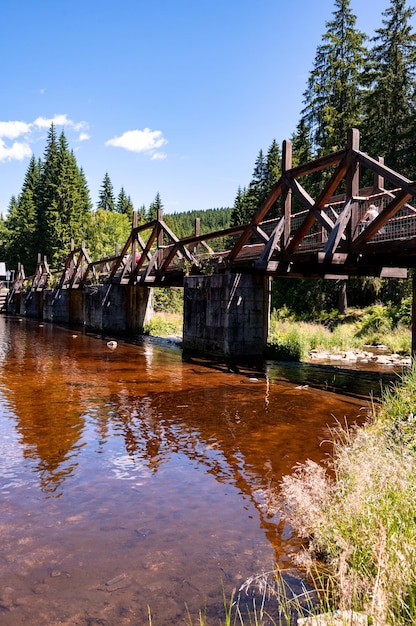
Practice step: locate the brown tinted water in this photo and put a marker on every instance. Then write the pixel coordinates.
(131, 478)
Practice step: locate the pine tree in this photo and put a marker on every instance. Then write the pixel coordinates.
(390, 101)
(21, 226)
(106, 195)
(272, 173)
(141, 215)
(333, 95)
(124, 203)
(238, 212)
(301, 144)
(47, 208)
(62, 201)
(154, 207)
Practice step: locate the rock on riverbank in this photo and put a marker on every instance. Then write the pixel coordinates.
(375, 356)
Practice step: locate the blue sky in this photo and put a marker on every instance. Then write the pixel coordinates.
(168, 96)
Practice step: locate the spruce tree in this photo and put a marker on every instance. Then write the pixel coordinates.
(389, 129)
(124, 203)
(106, 195)
(62, 201)
(333, 95)
(21, 228)
(154, 207)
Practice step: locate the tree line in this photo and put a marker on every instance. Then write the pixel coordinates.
(356, 80)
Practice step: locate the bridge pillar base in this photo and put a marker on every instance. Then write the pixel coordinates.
(118, 308)
(226, 314)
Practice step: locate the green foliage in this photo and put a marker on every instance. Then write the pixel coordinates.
(211, 220)
(104, 230)
(20, 231)
(106, 200)
(389, 104)
(287, 348)
(154, 207)
(51, 209)
(124, 204)
(168, 300)
(332, 98)
(290, 338)
(267, 171)
(164, 325)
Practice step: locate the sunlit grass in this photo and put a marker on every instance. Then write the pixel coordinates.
(361, 523)
(165, 325)
(291, 339)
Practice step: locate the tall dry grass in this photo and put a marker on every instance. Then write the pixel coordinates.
(359, 516)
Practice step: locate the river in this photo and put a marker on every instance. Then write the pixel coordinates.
(133, 480)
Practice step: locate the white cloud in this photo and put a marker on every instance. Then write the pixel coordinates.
(29, 133)
(60, 119)
(16, 152)
(139, 140)
(11, 130)
(159, 156)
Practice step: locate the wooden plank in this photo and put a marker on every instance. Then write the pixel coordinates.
(393, 272)
(272, 244)
(317, 164)
(339, 229)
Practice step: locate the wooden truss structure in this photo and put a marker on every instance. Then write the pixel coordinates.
(321, 237)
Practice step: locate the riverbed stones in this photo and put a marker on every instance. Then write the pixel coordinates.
(339, 618)
(360, 356)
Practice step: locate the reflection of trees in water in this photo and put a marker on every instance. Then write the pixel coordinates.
(235, 425)
(41, 388)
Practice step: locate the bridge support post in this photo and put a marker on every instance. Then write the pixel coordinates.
(118, 308)
(226, 314)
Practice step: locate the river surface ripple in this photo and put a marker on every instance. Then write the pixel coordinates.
(133, 478)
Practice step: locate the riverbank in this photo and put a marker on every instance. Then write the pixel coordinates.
(357, 519)
(374, 356)
(377, 336)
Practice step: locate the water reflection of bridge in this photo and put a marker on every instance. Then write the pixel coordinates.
(292, 234)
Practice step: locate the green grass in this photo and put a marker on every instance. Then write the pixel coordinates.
(292, 339)
(164, 325)
(359, 518)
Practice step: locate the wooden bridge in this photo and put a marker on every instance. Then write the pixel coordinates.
(305, 237)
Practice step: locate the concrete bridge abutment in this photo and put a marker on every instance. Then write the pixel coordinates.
(226, 314)
(102, 308)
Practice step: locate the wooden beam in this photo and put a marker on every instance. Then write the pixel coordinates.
(318, 164)
(264, 208)
(272, 244)
(286, 191)
(353, 183)
(339, 229)
(382, 170)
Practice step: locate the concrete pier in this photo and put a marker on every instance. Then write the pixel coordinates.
(102, 308)
(226, 314)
